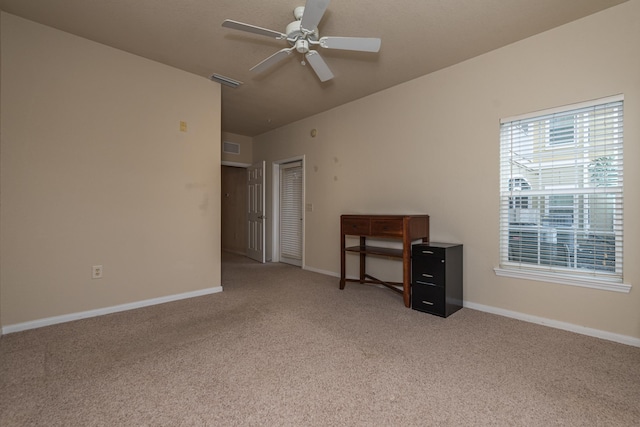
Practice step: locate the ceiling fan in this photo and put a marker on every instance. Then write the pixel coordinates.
(302, 34)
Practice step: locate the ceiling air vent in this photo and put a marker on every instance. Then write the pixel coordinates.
(227, 81)
(230, 147)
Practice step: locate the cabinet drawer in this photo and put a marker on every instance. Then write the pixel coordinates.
(427, 252)
(427, 276)
(428, 271)
(355, 226)
(430, 299)
(386, 227)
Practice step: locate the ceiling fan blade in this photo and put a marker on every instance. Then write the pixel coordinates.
(313, 12)
(319, 66)
(362, 44)
(253, 29)
(272, 60)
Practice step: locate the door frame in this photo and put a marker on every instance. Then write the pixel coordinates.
(275, 203)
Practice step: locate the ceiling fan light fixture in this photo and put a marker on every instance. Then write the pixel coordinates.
(227, 81)
(302, 46)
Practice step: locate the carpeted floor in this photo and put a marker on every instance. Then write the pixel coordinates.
(285, 347)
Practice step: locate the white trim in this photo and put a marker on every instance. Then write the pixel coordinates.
(275, 207)
(235, 164)
(18, 327)
(597, 333)
(564, 279)
(317, 270)
(563, 108)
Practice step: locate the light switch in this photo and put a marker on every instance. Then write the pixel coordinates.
(309, 207)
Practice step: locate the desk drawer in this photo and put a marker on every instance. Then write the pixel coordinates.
(356, 226)
(386, 227)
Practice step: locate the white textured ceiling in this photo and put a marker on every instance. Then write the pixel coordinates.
(418, 37)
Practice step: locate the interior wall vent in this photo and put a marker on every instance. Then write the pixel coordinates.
(230, 147)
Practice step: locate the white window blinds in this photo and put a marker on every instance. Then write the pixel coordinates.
(561, 191)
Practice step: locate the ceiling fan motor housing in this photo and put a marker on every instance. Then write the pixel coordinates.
(294, 31)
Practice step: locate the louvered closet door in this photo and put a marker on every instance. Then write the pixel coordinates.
(291, 220)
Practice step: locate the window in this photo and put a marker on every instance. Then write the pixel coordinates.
(561, 129)
(561, 194)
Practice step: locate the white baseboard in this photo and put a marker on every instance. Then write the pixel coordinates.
(18, 327)
(317, 270)
(609, 336)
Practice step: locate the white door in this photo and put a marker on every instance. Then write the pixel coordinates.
(291, 219)
(255, 214)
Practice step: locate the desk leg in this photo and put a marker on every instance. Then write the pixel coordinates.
(406, 270)
(363, 260)
(342, 261)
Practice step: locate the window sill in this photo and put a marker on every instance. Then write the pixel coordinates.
(565, 279)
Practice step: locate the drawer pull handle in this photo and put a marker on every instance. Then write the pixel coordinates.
(425, 283)
(427, 302)
(427, 275)
(428, 252)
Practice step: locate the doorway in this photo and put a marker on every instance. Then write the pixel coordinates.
(288, 200)
(243, 210)
(234, 209)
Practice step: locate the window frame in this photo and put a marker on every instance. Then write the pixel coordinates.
(593, 277)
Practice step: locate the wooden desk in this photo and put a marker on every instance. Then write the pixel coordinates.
(401, 227)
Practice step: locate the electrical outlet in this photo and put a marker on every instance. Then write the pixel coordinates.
(96, 272)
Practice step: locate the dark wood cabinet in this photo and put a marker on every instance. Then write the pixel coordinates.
(407, 228)
(436, 278)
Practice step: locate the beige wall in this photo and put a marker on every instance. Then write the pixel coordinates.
(431, 146)
(95, 170)
(246, 149)
(0, 173)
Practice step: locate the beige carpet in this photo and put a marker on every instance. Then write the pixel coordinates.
(285, 347)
